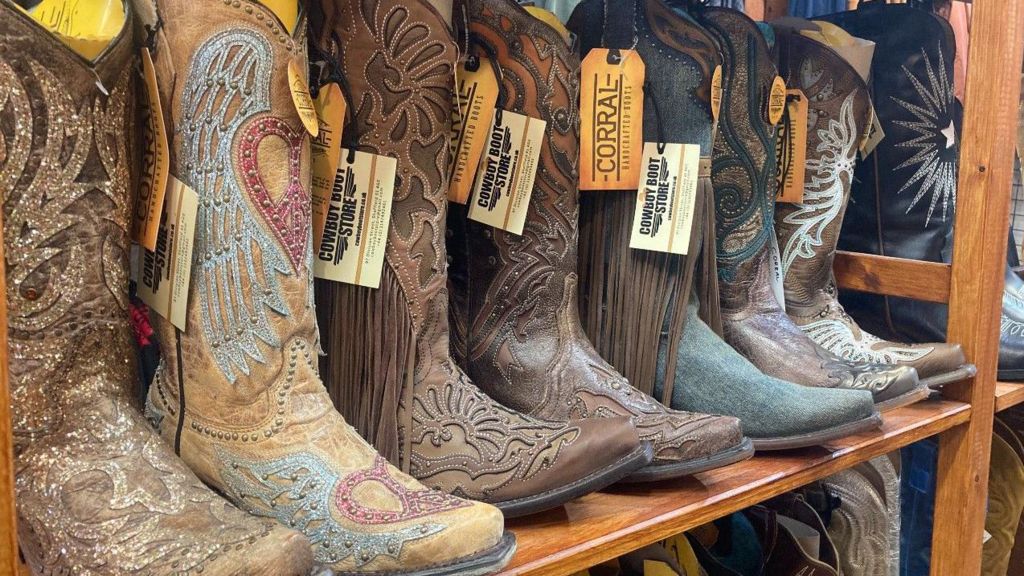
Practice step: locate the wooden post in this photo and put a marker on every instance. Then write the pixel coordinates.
(979, 261)
(9, 563)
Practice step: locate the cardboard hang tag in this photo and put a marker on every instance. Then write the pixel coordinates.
(301, 99)
(504, 181)
(791, 151)
(166, 271)
(156, 162)
(325, 153)
(666, 198)
(358, 217)
(611, 119)
(873, 137)
(473, 105)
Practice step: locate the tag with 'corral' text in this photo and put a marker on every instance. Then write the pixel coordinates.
(504, 180)
(791, 148)
(156, 162)
(358, 216)
(165, 273)
(475, 97)
(611, 118)
(665, 201)
(325, 153)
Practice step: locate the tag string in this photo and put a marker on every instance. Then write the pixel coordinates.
(657, 118)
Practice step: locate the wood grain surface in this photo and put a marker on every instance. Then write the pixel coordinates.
(1008, 395)
(893, 276)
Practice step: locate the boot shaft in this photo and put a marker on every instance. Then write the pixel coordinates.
(67, 128)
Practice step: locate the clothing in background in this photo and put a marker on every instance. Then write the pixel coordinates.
(815, 8)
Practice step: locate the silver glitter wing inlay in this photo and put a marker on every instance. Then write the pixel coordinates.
(932, 140)
(823, 193)
(837, 338)
(298, 490)
(236, 261)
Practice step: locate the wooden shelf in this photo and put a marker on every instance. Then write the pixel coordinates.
(927, 281)
(606, 525)
(1008, 395)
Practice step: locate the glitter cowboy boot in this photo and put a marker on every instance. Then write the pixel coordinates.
(525, 344)
(97, 492)
(239, 391)
(838, 116)
(629, 306)
(743, 174)
(398, 59)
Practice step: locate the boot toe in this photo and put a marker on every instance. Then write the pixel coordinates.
(472, 542)
(281, 552)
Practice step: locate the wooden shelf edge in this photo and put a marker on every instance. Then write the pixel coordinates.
(916, 279)
(1008, 395)
(605, 525)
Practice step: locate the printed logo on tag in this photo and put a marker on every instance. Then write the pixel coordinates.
(777, 101)
(716, 92)
(666, 197)
(504, 181)
(873, 137)
(472, 112)
(165, 272)
(791, 149)
(325, 153)
(611, 118)
(358, 216)
(156, 162)
(301, 99)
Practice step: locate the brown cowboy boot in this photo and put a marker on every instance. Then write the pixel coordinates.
(838, 115)
(525, 344)
(239, 390)
(398, 60)
(743, 173)
(97, 491)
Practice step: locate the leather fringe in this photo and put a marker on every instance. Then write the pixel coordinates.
(707, 281)
(370, 338)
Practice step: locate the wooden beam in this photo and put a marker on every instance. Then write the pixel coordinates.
(9, 563)
(893, 276)
(979, 260)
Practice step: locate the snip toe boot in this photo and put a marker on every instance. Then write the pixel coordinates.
(691, 368)
(743, 172)
(525, 345)
(97, 492)
(398, 58)
(238, 391)
(838, 116)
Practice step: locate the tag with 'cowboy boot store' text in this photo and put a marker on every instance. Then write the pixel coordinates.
(475, 97)
(325, 153)
(504, 180)
(156, 162)
(791, 148)
(666, 197)
(358, 216)
(164, 273)
(611, 117)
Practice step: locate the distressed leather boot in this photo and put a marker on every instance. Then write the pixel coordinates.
(630, 299)
(839, 111)
(238, 392)
(398, 59)
(860, 526)
(743, 172)
(97, 492)
(524, 343)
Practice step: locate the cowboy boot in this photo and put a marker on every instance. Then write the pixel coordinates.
(524, 337)
(819, 546)
(1005, 500)
(97, 491)
(238, 391)
(705, 374)
(743, 172)
(449, 434)
(838, 116)
(860, 526)
(783, 538)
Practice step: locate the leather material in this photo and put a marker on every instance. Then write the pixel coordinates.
(1011, 328)
(793, 505)
(525, 343)
(784, 555)
(239, 391)
(743, 174)
(398, 59)
(1005, 500)
(839, 114)
(860, 527)
(885, 479)
(97, 492)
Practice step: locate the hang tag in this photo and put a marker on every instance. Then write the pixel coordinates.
(472, 112)
(165, 272)
(358, 216)
(658, 568)
(716, 92)
(873, 137)
(791, 149)
(156, 162)
(665, 200)
(325, 153)
(301, 99)
(777, 101)
(504, 181)
(611, 119)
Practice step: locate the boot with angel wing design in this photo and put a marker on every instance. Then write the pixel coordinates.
(238, 391)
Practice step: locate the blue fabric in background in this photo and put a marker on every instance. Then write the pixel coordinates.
(920, 463)
(734, 4)
(815, 8)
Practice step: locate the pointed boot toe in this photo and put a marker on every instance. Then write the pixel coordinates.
(689, 443)
(890, 386)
